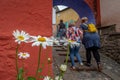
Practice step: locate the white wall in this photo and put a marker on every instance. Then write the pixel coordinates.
(53, 16)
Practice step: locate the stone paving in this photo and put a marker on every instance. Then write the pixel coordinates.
(110, 70)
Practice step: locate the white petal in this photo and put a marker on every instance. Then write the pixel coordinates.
(17, 32)
(36, 44)
(19, 42)
(38, 36)
(44, 46)
(14, 33)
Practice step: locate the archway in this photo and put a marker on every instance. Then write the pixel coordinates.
(67, 14)
(80, 6)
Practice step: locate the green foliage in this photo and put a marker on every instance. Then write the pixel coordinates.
(39, 70)
(31, 78)
(41, 76)
(20, 74)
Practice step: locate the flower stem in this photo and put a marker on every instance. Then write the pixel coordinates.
(61, 75)
(23, 68)
(23, 63)
(17, 58)
(39, 55)
(48, 64)
(66, 61)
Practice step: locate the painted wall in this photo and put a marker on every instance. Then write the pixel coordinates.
(110, 10)
(32, 16)
(66, 15)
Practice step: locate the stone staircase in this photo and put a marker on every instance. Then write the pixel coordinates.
(110, 70)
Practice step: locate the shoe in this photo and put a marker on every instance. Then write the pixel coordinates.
(81, 64)
(99, 67)
(73, 68)
(88, 64)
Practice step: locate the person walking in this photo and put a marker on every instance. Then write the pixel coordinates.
(61, 29)
(73, 34)
(91, 41)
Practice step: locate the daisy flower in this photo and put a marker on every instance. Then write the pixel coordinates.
(47, 78)
(72, 43)
(49, 59)
(63, 67)
(55, 41)
(20, 36)
(58, 78)
(68, 42)
(23, 55)
(44, 41)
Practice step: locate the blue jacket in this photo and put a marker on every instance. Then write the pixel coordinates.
(90, 39)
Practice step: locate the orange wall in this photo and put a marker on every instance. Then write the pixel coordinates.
(28, 15)
(32, 16)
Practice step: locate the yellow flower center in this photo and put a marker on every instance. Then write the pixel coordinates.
(71, 41)
(20, 37)
(23, 54)
(41, 39)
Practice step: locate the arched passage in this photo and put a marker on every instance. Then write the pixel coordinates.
(80, 6)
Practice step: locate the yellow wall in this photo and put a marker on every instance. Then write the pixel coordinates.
(66, 15)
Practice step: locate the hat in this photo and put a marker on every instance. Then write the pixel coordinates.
(84, 18)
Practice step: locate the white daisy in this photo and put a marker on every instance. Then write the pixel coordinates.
(20, 36)
(23, 55)
(47, 78)
(55, 41)
(72, 43)
(50, 41)
(63, 67)
(68, 42)
(58, 78)
(44, 41)
(49, 59)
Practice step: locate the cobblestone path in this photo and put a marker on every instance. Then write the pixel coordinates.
(111, 69)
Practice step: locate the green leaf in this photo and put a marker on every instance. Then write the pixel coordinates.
(21, 70)
(41, 76)
(31, 78)
(20, 77)
(20, 74)
(39, 70)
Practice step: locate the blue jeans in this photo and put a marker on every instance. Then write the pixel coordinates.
(74, 51)
(62, 33)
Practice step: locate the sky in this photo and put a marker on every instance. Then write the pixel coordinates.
(62, 7)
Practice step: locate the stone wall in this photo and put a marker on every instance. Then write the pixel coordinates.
(110, 42)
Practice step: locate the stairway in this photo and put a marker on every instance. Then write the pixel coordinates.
(108, 72)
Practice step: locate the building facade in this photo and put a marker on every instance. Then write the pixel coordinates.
(66, 15)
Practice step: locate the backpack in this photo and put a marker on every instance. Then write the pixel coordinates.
(92, 28)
